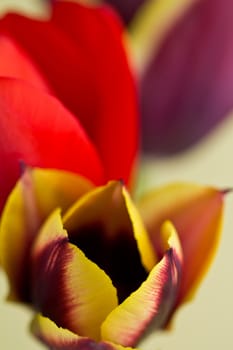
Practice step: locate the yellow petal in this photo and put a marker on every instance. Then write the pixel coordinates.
(196, 212)
(147, 252)
(58, 338)
(35, 195)
(153, 301)
(68, 287)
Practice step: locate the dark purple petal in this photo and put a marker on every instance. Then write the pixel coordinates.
(187, 88)
(126, 8)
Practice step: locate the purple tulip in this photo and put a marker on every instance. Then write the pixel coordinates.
(187, 88)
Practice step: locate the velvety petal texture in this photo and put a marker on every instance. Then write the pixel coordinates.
(37, 130)
(186, 87)
(196, 212)
(88, 73)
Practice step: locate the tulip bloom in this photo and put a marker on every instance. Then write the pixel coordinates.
(98, 270)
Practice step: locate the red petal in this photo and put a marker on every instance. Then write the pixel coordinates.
(89, 73)
(15, 63)
(38, 130)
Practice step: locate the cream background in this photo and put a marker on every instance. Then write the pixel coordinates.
(204, 324)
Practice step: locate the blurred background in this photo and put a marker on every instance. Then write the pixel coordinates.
(206, 323)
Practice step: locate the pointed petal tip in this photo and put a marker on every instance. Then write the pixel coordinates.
(227, 190)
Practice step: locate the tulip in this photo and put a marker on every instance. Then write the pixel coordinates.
(98, 270)
(184, 52)
(68, 98)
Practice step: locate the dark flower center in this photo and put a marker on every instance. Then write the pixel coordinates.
(117, 255)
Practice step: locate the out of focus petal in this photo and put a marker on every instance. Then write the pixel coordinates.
(14, 63)
(196, 212)
(66, 286)
(126, 9)
(186, 89)
(154, 299)
(35, 196)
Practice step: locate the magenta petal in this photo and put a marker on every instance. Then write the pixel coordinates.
(187, 88)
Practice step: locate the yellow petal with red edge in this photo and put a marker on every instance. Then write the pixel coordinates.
(58, 338)
(196, 212)
(35, 195)
(147, 252)
(66, 286)
(154, 300)
(103, 223)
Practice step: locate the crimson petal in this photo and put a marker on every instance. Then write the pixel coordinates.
(38, 130)
(89, 73)
(15, 63)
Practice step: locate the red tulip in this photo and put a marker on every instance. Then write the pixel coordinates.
(98, 269)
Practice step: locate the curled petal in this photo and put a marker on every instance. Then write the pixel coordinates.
(38, 130)
(58, 338)
(101, 95)
(35, 196)
(107, 227)
(196, 212)
(66, 286)
(154, 299)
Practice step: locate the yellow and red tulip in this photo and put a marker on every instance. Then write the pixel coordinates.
(97, 269)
